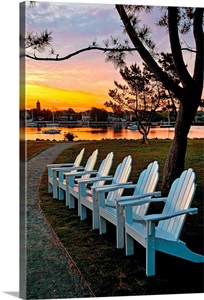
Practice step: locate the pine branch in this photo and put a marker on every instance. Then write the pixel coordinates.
(81, 51)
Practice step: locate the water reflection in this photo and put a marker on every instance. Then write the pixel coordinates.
(87, 133)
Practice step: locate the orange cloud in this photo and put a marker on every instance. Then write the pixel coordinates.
(56, 98)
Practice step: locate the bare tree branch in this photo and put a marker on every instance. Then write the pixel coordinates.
(145, 54)
(81, 51)
(188, 49)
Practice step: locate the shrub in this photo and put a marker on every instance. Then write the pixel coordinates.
(69, 136)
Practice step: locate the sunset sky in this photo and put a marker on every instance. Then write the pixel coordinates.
(84, 80)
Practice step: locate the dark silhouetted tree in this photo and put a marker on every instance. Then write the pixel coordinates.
(141, 95)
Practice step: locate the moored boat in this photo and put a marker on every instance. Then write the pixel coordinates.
(31, 124)
(51, 131)
(133, 127)
(52, 124)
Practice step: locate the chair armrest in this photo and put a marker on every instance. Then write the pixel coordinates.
(80, 173)
(64, 169)
(135, 197)
(107, 178)
(61, 165)
(91, 180)
(158, 217)
(140, 202)
(114, 187)
(94, 172)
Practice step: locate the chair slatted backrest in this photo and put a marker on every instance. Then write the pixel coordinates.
(76, 163)
(146, 183)
(79, 157)
(90, 164)
(121, 176)
(104, 168)
(180, 197)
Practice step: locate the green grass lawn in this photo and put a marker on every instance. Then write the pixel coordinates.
(106, 269)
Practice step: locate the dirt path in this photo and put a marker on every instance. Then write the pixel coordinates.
(50, 271)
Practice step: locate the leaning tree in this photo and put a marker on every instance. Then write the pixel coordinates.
(178, 21)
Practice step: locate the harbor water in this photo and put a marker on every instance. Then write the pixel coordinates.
(88, 133)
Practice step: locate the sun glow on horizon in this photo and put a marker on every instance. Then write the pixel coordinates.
(56, 98)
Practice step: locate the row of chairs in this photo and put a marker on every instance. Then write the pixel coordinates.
(102, 194)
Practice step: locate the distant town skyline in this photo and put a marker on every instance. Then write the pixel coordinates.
(38, 106)
(83, 81)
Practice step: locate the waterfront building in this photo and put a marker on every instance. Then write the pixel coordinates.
(86, 117)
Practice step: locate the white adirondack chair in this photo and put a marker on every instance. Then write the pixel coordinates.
(65, 184)
(89, 200)
(109, 210)
(80, 187)
(51, 167)
(165, 236)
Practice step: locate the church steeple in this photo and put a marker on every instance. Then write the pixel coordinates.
(38, 105)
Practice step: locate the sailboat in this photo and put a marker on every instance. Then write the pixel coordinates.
(52, 130)
(31, 122)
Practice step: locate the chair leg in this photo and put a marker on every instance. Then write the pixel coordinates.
(67, 198)
(71, 201)
(95, 212)
(102, 225)
(95, 219)
(150, 249)
(129, 244)
(120, 239)
(50, 190)
(55, 189)
(61, 194)
(83, 213)
(82, 192)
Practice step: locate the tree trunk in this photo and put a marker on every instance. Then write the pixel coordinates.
(145, 139)
(144, 132)
(175, 162)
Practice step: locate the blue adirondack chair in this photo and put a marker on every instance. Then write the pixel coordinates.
(163, 237)
(110, 211)
(66, 180)
(75, 185)
(90, 201)
(53, 169)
